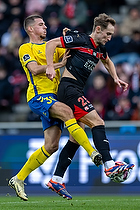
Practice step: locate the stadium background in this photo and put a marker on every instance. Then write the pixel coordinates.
(20, 135)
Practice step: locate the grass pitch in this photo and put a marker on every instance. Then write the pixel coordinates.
(77, 203)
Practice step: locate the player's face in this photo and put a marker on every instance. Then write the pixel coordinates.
(105, 35)
(39, 28)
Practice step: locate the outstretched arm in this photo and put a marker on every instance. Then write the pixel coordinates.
(50, 48)
(109, 65)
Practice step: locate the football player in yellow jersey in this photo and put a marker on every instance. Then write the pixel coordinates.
(41, 97)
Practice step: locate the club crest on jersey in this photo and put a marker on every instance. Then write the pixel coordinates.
(68, 39)
(26, 57)
(98, 55)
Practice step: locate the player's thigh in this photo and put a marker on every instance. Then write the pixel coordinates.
(61, 111)
(92, 119)
(52, 137)
(82, 125)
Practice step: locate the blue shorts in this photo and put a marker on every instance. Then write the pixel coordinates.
(40, 105)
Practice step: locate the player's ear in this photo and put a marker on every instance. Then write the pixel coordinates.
(30, 28)
(98, 29)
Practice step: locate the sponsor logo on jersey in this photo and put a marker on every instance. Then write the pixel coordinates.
(39, 52)
(68, 39)
(26, 57)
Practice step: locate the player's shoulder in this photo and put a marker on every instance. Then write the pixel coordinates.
(24, 45)
(75, 33)
(76, 36)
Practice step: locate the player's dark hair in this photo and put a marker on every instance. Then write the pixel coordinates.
(30, 20)
(103, 20)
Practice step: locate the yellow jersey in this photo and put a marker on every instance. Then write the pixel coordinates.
(39, 84)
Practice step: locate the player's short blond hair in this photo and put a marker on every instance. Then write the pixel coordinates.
(103, 20)
(30, 21)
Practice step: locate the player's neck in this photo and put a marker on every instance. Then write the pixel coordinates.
(93, 37)
(36, 40)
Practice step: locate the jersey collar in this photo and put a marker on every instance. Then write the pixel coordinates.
(92, 40)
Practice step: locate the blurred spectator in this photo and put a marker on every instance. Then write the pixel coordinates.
(134, 91)
(15, 10)
(73, 14)
(133, 44)
(13, 37)
(15, 73)
(3, 6)
(98, 93)
(130, 51)
(52, 9)
(94, 9)
(136, 111)
(3, 20)
(51, 18)
(122, 110)
(6, 90)
(19, 83)
(17, 76)
(131, 22)
(35, 6)
(13, 63)
(55, 28)
(3, 55)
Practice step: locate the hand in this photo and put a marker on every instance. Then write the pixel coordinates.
(65, 30)
(50, 73)
(121, 84)
(65, 57)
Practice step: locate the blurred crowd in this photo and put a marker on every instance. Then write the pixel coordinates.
(124, 49)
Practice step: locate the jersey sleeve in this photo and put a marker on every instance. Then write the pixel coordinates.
(26, 55)
(73, 40)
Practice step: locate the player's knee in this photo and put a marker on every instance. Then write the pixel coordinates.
(99, 121)
(68, 113)
(102, 122)
(51, 148)
(54, 148)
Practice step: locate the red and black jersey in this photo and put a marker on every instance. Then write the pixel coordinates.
(84, 54)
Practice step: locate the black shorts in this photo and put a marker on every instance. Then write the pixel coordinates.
(70, 93)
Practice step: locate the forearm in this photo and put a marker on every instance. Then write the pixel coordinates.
(109, 65)
(36, 69)
(111, 69)
(39, 69)
(50, 48)
(58, 65)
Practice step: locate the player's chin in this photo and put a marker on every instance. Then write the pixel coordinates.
(43, 36)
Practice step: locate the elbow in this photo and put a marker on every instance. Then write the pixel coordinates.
(34, 73)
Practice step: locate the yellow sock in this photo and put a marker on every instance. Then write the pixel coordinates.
(79, 135)
(34, 161)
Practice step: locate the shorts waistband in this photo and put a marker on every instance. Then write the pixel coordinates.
(73, 81)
